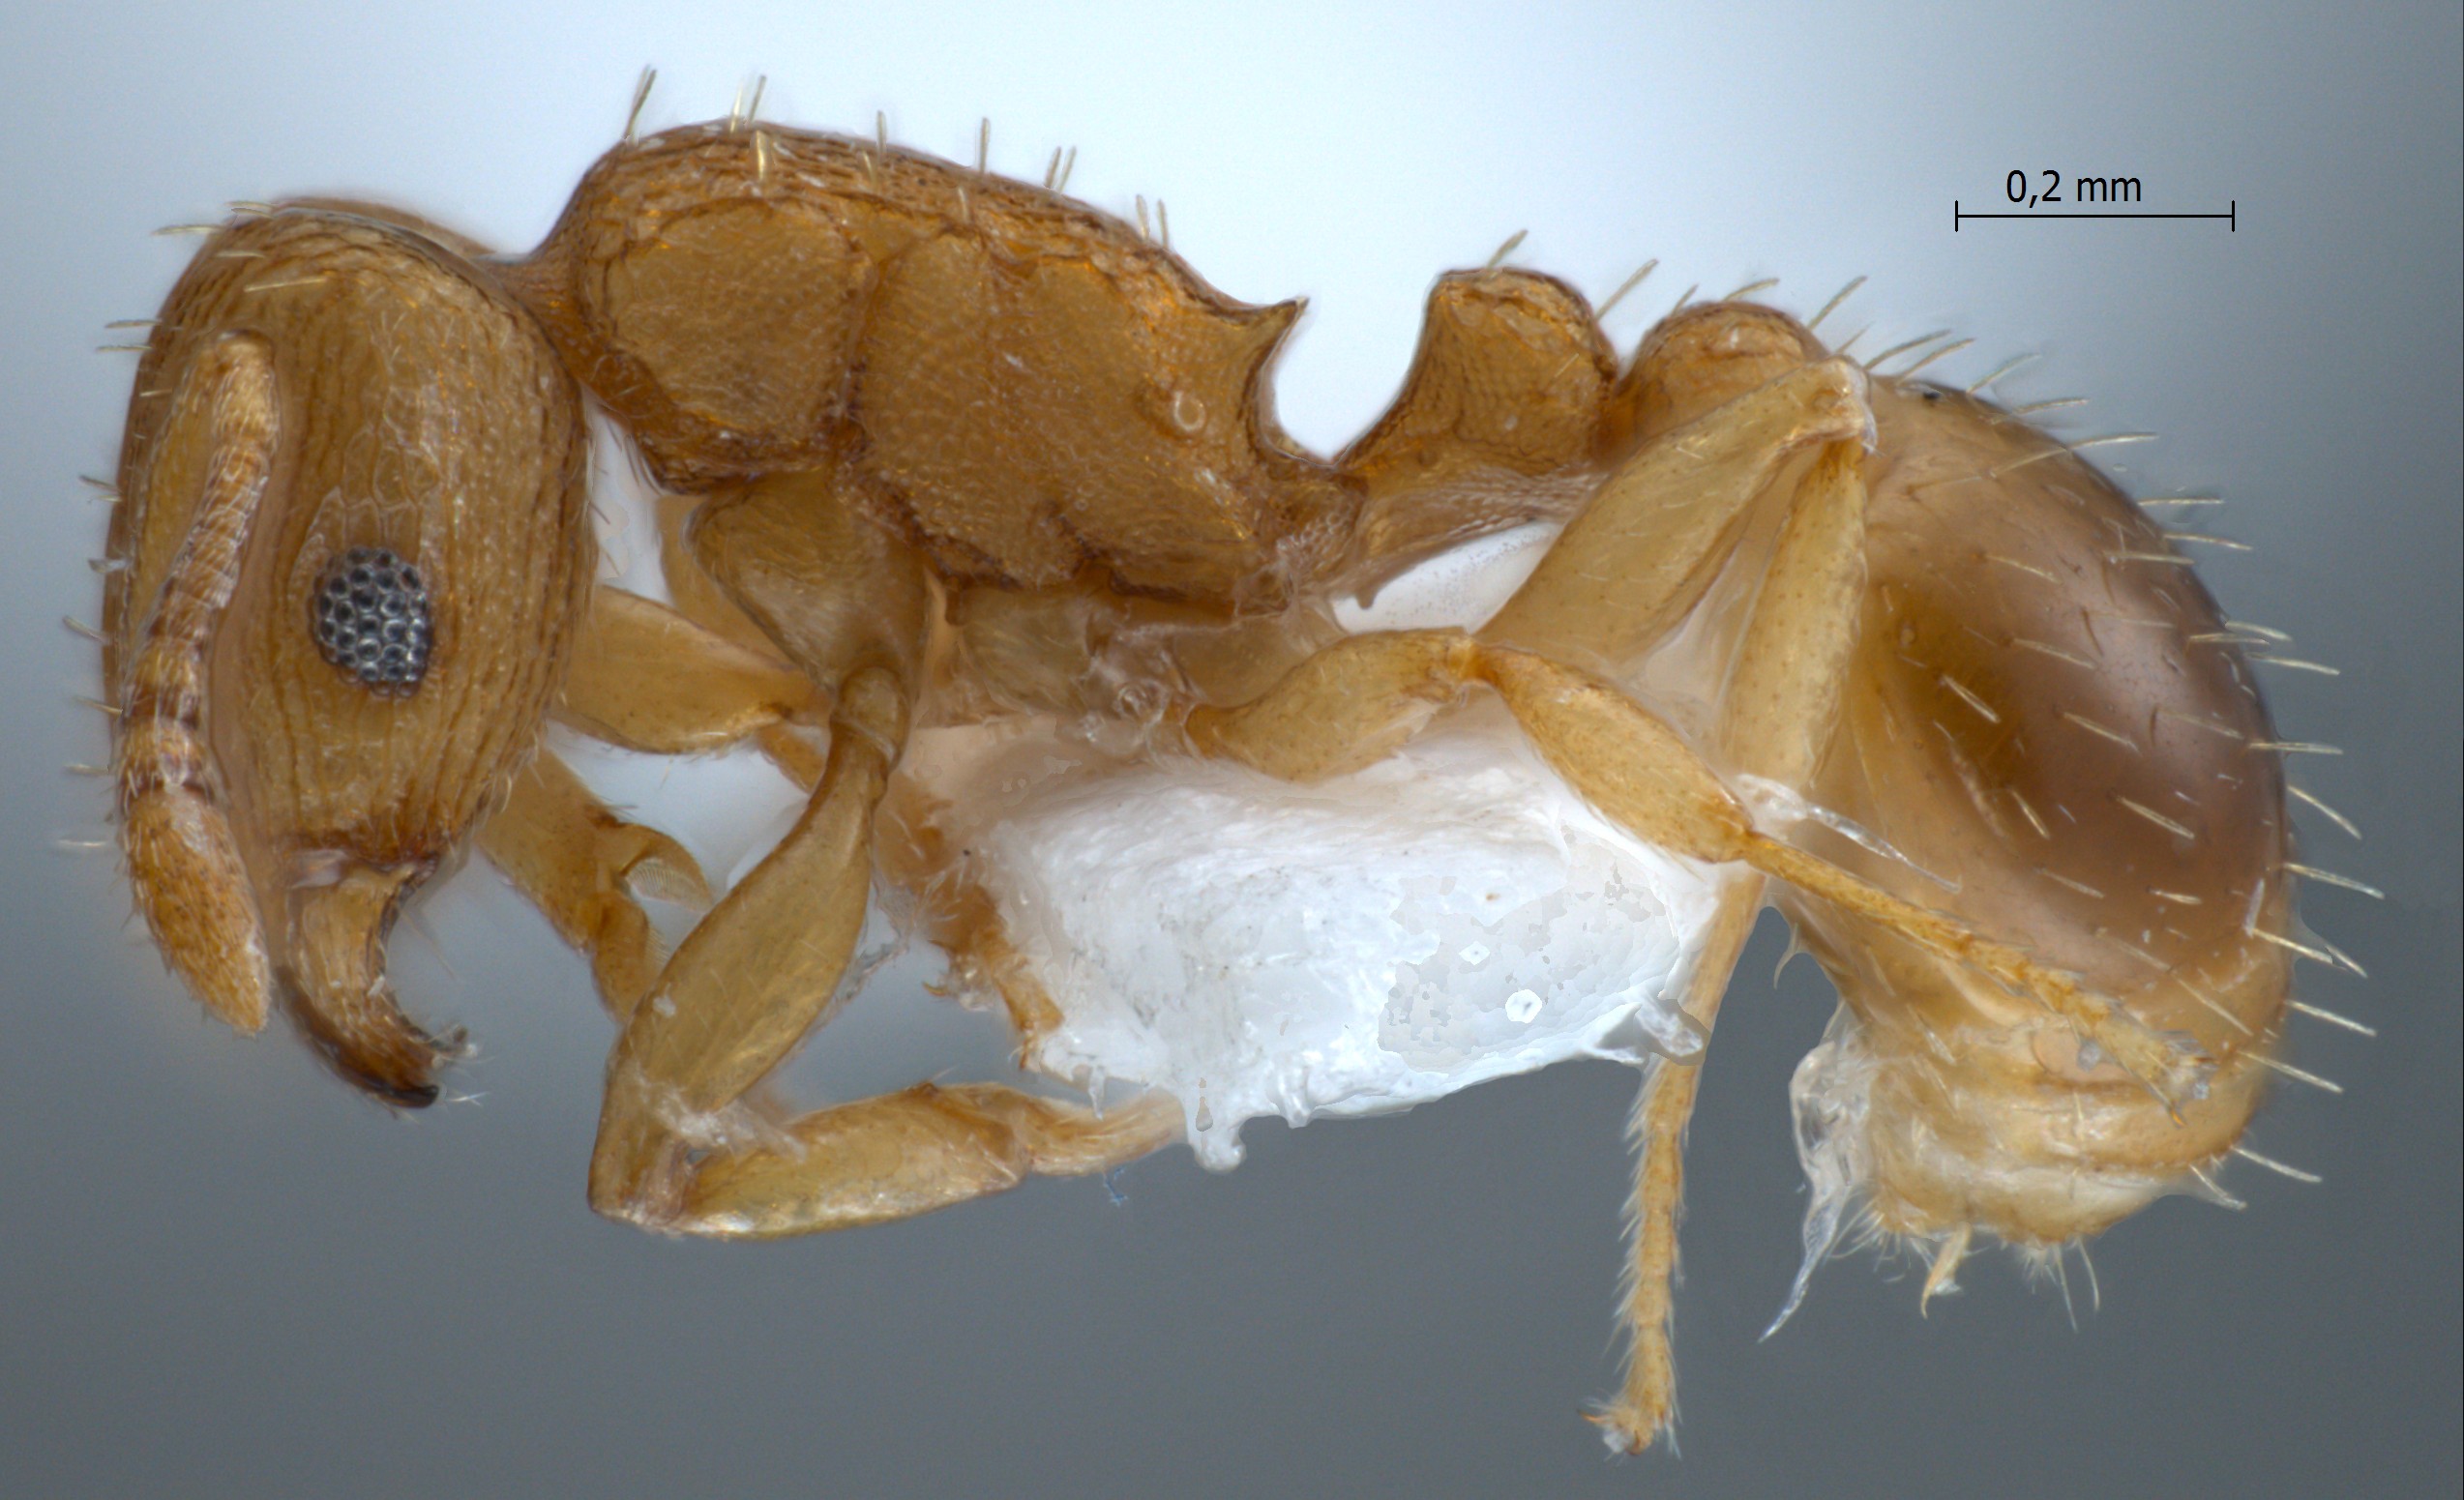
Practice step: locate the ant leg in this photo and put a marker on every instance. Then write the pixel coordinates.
(1631, 766)
(700, 598)
(1631, 565)
(649, 678)
(1358, 700)
(581, 866)
(759, 970)
(1628, 569)
(908, 1153)
(1638, 559)
(1708, 387)
(698, 595)
(1776, 716)
(848, 604)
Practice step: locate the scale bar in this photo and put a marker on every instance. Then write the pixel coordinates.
(1959, 216)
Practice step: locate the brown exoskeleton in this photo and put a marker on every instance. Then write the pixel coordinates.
(944, 449)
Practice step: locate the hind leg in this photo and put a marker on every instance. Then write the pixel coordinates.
(1775, 720)
(1625, 571)
(1356, 701)
(1631, 567)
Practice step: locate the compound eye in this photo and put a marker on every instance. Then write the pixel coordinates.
(372, 617)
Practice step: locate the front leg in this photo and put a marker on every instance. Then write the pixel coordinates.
(581, 866)
(763, 966)
(650, 679)
(759, 970)
(848, 605)
(645, 677)
(908, 1153)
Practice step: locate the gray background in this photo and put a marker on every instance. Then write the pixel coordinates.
(221, 1273)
